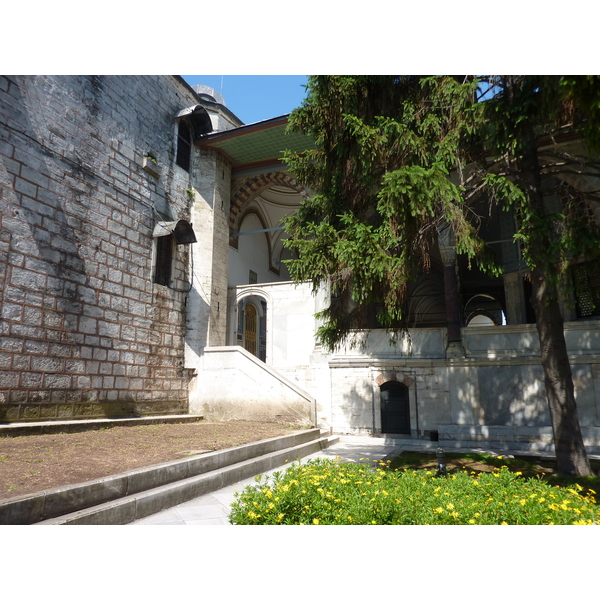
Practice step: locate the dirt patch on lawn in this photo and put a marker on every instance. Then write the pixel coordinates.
(34, 463)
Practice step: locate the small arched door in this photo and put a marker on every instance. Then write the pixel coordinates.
(395, 411)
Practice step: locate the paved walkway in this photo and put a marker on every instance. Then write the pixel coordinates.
(212, 509)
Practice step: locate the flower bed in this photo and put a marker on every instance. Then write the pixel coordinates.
(325, 492)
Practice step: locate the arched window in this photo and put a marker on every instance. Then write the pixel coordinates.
(184, 145)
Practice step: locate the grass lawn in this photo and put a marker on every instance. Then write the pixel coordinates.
(528, 466)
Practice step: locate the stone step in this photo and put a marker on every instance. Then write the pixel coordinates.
(138, 506)
(44, 427)
(33, 508)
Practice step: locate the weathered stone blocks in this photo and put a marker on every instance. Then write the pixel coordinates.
(76, 246)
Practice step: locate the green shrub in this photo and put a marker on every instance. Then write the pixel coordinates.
(325, 492)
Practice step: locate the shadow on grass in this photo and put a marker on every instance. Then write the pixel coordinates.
(527, 466)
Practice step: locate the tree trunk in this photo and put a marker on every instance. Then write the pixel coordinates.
(571, 456)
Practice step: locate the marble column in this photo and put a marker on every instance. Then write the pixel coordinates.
(515, 299)
(453, 310)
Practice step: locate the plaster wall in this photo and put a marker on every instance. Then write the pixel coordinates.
(252, 253)
(236, 385)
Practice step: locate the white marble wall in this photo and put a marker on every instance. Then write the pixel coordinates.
(498, 383)
(234, 385)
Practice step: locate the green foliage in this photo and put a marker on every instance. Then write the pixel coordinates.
(528, 114)
(385, 146)
(324, 492)
(399, 158)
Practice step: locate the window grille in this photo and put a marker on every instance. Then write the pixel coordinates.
(586, 277)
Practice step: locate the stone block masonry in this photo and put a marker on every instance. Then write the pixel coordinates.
(84, 330)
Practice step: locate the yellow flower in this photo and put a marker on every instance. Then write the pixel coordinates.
(504, 523)
(450, 506)
(471, 521)
(438, 510)
(315, 521)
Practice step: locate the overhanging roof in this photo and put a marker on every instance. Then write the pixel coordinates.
(258, 144)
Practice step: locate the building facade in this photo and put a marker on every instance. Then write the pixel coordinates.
(143, 273)
(95, 197)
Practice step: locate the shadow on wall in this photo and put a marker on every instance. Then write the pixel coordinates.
(56, 219)
(512, 396)
(197, 320)
(352, 402)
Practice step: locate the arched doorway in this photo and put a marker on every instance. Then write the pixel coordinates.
(251, 331)
(395, 408)
(250, 328)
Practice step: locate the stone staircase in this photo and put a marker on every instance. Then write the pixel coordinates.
(123, 498)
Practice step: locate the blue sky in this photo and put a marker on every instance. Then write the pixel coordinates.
(255, 98)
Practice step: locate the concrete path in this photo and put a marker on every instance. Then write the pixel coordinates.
(212, 509)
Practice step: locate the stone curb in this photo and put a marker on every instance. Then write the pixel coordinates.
(48, 427)
(33, 508)
(131, 508)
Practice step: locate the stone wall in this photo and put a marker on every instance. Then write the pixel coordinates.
(85, 331)
(498, 385)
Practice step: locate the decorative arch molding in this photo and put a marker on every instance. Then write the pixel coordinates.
(251, 188)
(246, 291)
(381, 377)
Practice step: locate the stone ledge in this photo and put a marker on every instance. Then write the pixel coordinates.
(45, 427)
(519, 437)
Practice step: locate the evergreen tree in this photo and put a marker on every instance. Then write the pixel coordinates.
(398, 160)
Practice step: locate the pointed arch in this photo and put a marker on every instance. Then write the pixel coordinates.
(251, 188)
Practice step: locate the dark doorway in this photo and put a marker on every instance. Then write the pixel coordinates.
(395, 411)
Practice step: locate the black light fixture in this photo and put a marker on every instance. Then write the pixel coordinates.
(441, 463)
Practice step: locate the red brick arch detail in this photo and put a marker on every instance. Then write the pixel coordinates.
(256, 185)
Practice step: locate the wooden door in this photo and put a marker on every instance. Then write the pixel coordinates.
(250, 328)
